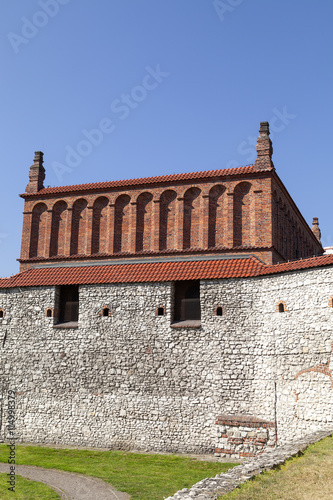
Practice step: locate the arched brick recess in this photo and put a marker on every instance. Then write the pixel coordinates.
(216, 216)
(79, 227)
(191, 227)
(122, 224)
(99, 238)
(167, 221)
(58, 228)
(144, 219)
(38, 230)
(242, 224)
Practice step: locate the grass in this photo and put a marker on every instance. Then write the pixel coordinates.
(307, 477)
(25, 490)
(142, 476)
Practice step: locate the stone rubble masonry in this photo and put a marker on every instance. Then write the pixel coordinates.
(131, 381)
(212, 488)
(243, 436)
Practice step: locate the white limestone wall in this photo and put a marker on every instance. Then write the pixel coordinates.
(132, 381)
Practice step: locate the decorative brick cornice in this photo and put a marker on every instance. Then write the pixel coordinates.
(214, 175)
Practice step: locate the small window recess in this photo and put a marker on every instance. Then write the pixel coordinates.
(281, 307)
(330, 302)
(67, 307)
(105, 312)
(187, 309)
(49, 312)
(218, 311)
(2, 313)
(160, 311)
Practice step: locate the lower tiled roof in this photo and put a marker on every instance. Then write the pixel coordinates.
(157, 272)
(322, 260)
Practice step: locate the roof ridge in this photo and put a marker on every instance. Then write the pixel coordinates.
(146, 180)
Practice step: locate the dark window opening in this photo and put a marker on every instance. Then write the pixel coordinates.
(49, 313)
(187, 301)
(68, 304)
(106, 311)
(1, 313)
(281, 308)
(219, 311)
(160, 311)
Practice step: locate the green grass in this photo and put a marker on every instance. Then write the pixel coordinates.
(307, 477)
(25, 490)
(142, 476)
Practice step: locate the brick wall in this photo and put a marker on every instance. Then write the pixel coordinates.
(243, 436)
(226, 215)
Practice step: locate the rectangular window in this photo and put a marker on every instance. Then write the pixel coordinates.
(187, 301)
(68, 305)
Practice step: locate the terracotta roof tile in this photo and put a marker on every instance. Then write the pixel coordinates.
(157, 272)
(323, 260)
(144, 180)
(135, 273)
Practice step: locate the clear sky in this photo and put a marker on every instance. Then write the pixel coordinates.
(116, 89)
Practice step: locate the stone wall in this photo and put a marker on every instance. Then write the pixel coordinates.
(131, 380)
(243, 436)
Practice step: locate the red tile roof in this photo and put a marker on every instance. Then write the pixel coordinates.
(295, 265)
(144, 180)
(135, 273)
(157, 272)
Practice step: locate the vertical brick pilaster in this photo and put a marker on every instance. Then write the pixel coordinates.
(179, 224)
(132, 228)
(68, 232)
(89, 232)
(229, 241)
(156, 225)
(26, 234)
(46, 251)
(204, 221)
(111, 225)
(257, 222)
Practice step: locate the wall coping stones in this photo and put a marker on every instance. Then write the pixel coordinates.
(212, 488)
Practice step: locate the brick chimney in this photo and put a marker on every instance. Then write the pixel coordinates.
(36, 174)
(315, 228)
(264, 149)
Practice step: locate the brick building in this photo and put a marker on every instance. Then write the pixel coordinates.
(235, 211)
(162, 314)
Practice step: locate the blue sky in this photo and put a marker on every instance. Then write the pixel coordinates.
(172, 86)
